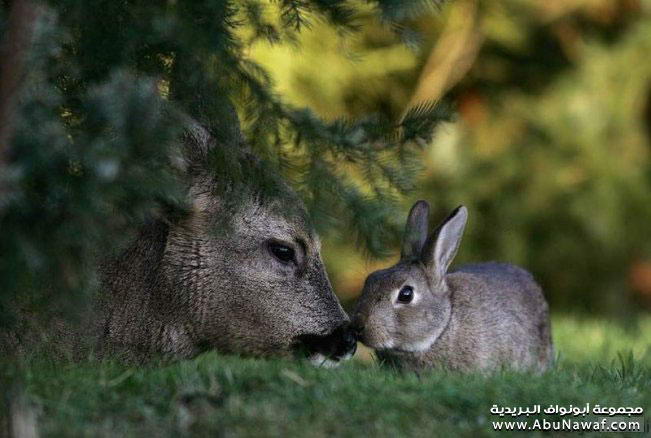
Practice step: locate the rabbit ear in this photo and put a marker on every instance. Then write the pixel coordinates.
(415, 231)
(442, 246)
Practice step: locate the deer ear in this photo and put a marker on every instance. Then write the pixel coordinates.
(194, 148)
(442, 246)
(200, 146)
(191, 157)
(415, 231)
(199, 140)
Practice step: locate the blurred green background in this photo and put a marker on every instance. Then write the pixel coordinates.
(549, 149)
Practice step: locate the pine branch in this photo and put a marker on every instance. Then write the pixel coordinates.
(395, 11)
(293, 14)
(418, 123)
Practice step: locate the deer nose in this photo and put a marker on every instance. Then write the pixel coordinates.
(340, 344)
(345, 342)
(349, 342)
(357, 329)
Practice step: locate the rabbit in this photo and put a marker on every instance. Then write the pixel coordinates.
(480, 317)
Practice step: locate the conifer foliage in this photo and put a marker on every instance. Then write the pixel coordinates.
(105, 87)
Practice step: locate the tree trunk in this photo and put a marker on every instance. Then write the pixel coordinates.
(13, 52)
(452, 56)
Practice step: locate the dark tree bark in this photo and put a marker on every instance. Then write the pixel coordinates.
(13, 51)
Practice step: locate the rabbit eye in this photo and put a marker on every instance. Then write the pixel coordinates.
(406, 294)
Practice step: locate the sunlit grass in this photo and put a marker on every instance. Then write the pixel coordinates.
(599, 362)
(582, 339)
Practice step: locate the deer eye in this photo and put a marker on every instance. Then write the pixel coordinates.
(406, 294)
(282, 252)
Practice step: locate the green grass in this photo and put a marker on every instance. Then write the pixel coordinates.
(600, 362)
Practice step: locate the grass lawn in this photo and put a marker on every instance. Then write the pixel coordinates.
(599, 362)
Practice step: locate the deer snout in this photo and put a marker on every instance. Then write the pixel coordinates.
(357, 326)
(339, 345)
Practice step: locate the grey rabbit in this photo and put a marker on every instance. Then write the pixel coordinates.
(478, 317)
